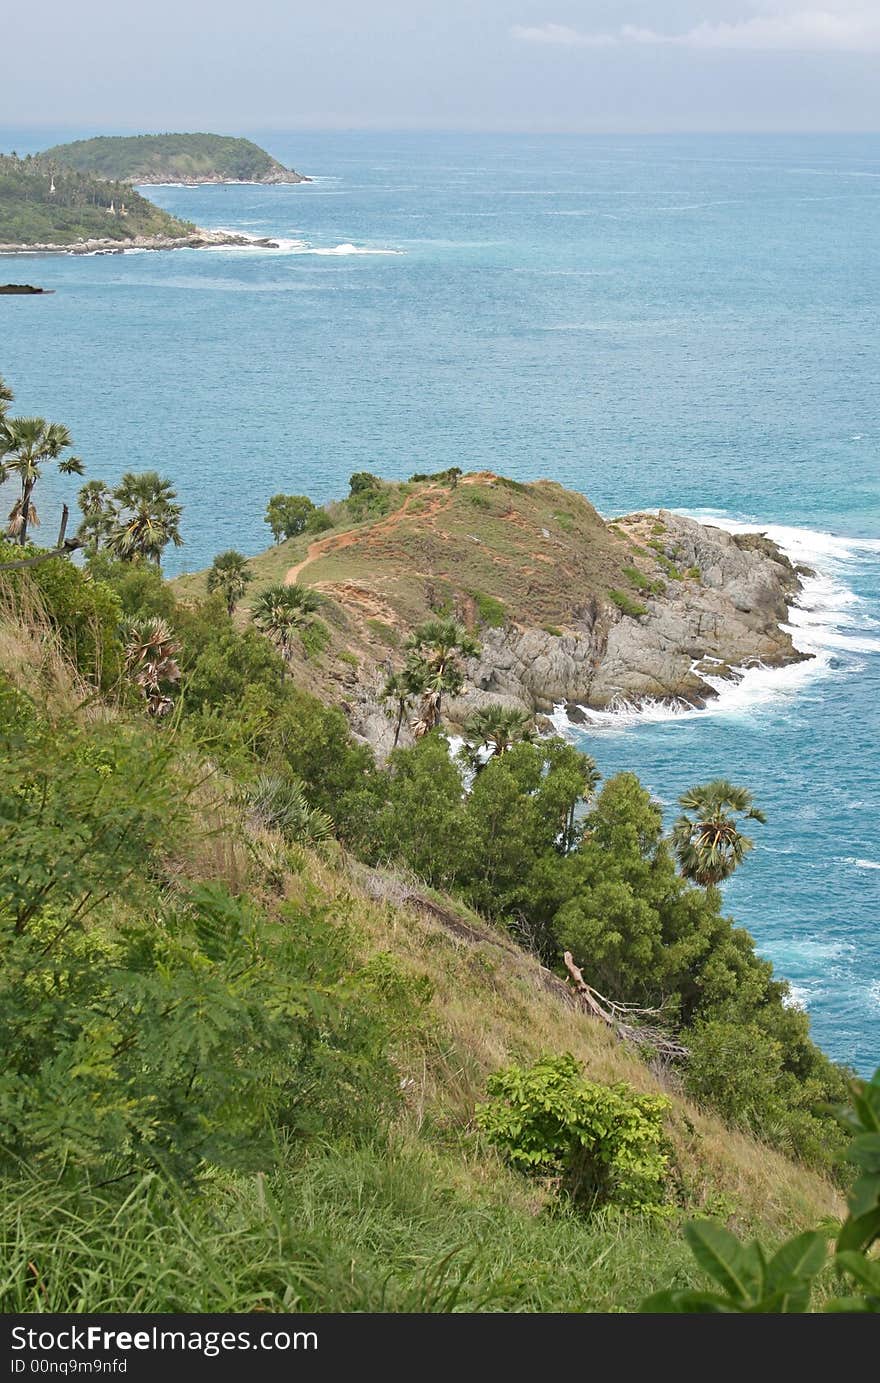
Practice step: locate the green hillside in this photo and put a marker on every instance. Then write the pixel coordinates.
(40, 204)
(171, 158)
(287, 1029)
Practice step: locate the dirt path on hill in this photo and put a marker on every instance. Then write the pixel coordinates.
(337, 542)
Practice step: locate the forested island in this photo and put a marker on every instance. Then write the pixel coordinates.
(47, 207)
(300, 1017)
(179, 158)
(41, 204)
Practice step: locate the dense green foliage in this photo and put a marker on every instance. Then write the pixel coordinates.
(86, 614)
(753, 1283)
(202, 1061)
(131, 158)
(599, 1143)
(42, 203)
(290, 515)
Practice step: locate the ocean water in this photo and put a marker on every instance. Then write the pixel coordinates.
(689, 322)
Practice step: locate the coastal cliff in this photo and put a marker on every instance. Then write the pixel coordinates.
(726, 615)
(568, 608)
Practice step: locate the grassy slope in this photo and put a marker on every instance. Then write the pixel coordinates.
(78, 209)
(369, 1228)
(130, 158)
(540, 551)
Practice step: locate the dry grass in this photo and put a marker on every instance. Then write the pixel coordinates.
(32, 657)
(493, 1003)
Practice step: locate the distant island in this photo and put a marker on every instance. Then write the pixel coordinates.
(47, 206)
(181, 158)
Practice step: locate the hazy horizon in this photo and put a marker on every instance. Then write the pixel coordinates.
(612, 67)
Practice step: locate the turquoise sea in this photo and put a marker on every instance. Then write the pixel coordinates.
(681, 321)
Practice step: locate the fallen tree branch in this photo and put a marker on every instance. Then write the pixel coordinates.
(629, 1022)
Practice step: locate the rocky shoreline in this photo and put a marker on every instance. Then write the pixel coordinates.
(730, 617)
(276, 177)
(198, 239)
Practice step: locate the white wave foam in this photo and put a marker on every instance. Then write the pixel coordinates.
(349, 249)
(292, 245)
(798, 996)
(819, 621)
(861, 864)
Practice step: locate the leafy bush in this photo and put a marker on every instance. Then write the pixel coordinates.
(750, 1283)
(641, 582)
(492, 612)
(315, 638)
(290, 515)
(626, 603)
(86, 613)
(598, 1143)
(477, 497)
(386, 633)
(744, 1072)
(138, 586)
(318, 521)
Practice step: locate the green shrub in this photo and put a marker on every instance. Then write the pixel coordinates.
(748, 1282)
(492, 612)
(745, 1073)
(599, 1143)
(694, 573)
(643, 583)
(624, 602)
(280, 804)
(290, 515)
(477, 497)
(86, 613)
(386, 633)
(140, 588)
(319, 522)
(314, 638)
(554, 630)
(658, 527)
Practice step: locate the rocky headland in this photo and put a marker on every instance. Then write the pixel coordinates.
(726, 614)
(568, 609)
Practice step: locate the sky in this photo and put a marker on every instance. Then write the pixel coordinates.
(534, 65)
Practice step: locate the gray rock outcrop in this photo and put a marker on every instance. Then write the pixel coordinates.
(727, 618)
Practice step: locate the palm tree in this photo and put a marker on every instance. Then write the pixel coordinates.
(26, 444)
(96, 506)
(151, 662)
(148, 518)
(6, 397)
(709, 844)
(281, 612)
(231, 576)
(399, 693)
(496, 728)
(436, 653)
(280, 804)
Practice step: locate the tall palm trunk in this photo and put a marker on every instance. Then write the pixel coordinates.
(401, 712)
(27, 488)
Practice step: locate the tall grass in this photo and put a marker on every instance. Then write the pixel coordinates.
(387, 1229)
